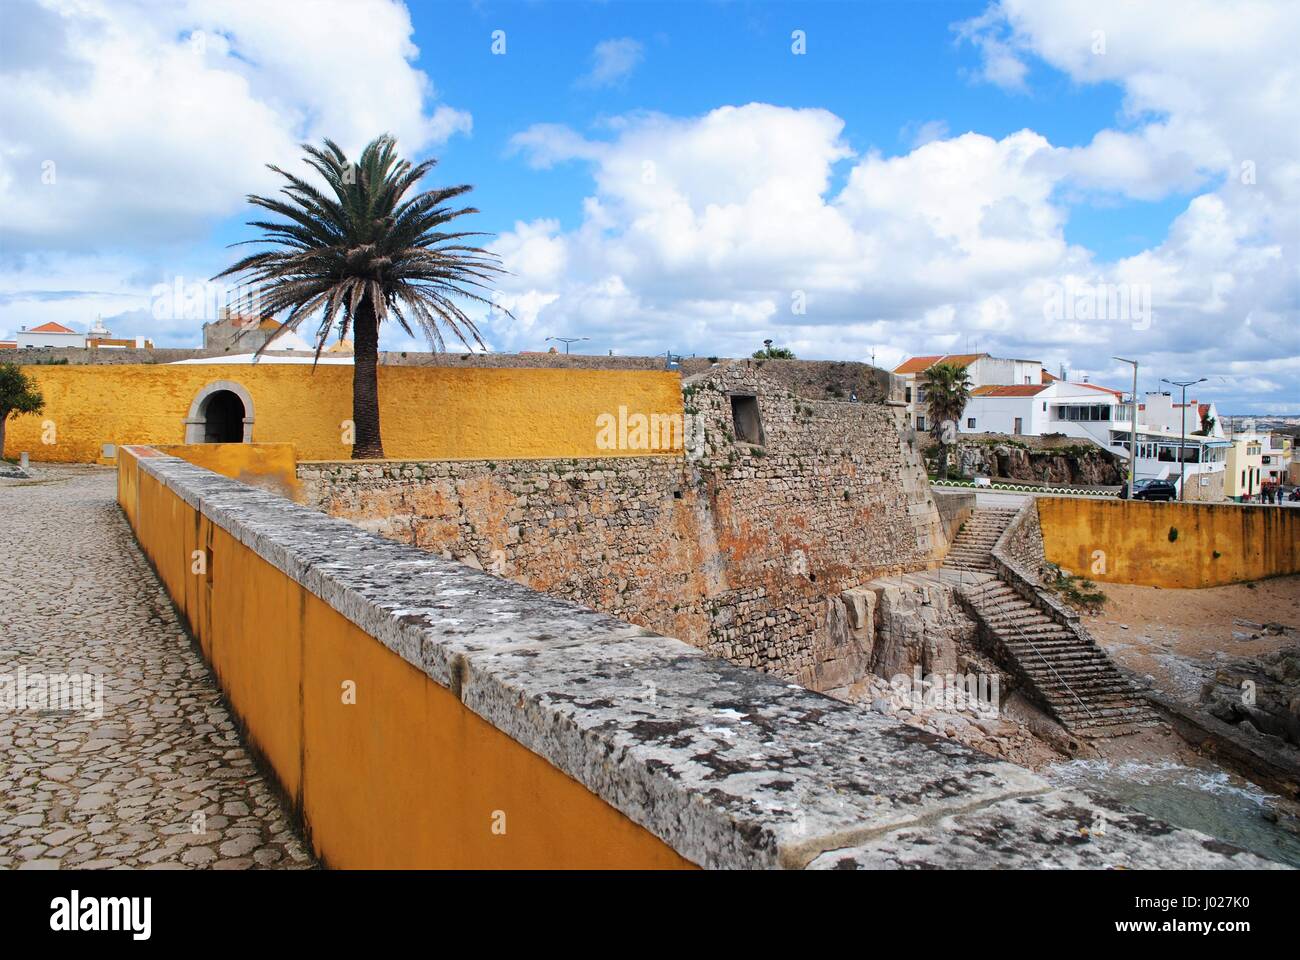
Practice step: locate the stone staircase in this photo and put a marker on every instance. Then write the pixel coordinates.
(1072, 675)
(970, 550)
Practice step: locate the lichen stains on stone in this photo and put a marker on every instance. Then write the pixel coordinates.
(657, 730)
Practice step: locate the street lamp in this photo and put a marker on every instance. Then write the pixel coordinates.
(568, 340)
(1132, 426)
(1182, 438)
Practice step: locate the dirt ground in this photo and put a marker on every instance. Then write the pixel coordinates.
(1175, 637)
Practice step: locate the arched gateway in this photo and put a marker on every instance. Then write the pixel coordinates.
(222, 412)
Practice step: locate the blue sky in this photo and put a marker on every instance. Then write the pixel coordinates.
(923, 176)
(886, 68)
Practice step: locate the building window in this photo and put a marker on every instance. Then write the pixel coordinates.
(907, 394)
(745, 416)
(920, 423)
(970, 423)
(1084, 412)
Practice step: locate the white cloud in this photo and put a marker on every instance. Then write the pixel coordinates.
(612, 62)
(919, 134)
(700, 233)
(137, 123)
(132, 126)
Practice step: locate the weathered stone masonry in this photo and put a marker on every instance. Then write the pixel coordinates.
(735, 548)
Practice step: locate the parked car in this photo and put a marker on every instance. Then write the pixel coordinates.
(1151, 490)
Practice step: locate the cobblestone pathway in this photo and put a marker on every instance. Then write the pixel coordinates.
(161, 779)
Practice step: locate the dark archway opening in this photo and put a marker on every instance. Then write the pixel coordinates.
(223, 418)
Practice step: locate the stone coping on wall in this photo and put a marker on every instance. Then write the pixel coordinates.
(731, 767)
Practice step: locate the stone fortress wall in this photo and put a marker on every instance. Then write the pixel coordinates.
(735, 547)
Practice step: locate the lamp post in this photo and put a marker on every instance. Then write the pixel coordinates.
(1182, 438)
(568, 340)
(1132, 426)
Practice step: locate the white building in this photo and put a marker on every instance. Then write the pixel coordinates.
(981, 368)
(1159, 410)
(1095, 414)
(50, 335)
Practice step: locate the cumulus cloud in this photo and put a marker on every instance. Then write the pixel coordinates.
(148, 120)
(132, 126)
(612, 62)
(708, 234)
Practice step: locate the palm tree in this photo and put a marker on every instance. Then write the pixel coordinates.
(358, 254)
(947, 391)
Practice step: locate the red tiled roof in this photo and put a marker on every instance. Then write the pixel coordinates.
(917, 364)
(1093, 386)
(962, 359)
(920, 364)
(8, 344)
(1049, 377)
(1203, 409)
(1010, 390)
(51, 327)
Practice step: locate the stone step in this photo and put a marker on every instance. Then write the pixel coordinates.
(1010, 611)
(1044, 644)
(1113, 700)
(1106, 715)
(1094, 697)
(1020, 619)
(1076, 675)
(1101, 707)
(1079, 664)
(1049, 633)
(1051, 649)
(1098, 696)
(990, 592)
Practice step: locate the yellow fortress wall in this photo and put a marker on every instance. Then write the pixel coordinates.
(1169, 544)
(426, 412)
(271, 466)
(404, 777)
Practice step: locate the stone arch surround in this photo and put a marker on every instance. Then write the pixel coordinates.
(195, 420)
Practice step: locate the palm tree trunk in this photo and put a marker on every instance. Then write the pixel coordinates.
(943, 461)
(367, 444)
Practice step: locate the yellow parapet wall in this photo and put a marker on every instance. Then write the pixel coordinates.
(404, 776)
(1169, 544)
(431, 413)
(271, 466)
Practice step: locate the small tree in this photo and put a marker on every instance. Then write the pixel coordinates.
(947, 391)
(1207, 424)
(19, 394)
(770, 352)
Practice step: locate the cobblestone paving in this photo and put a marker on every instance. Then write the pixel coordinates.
(161, 779)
